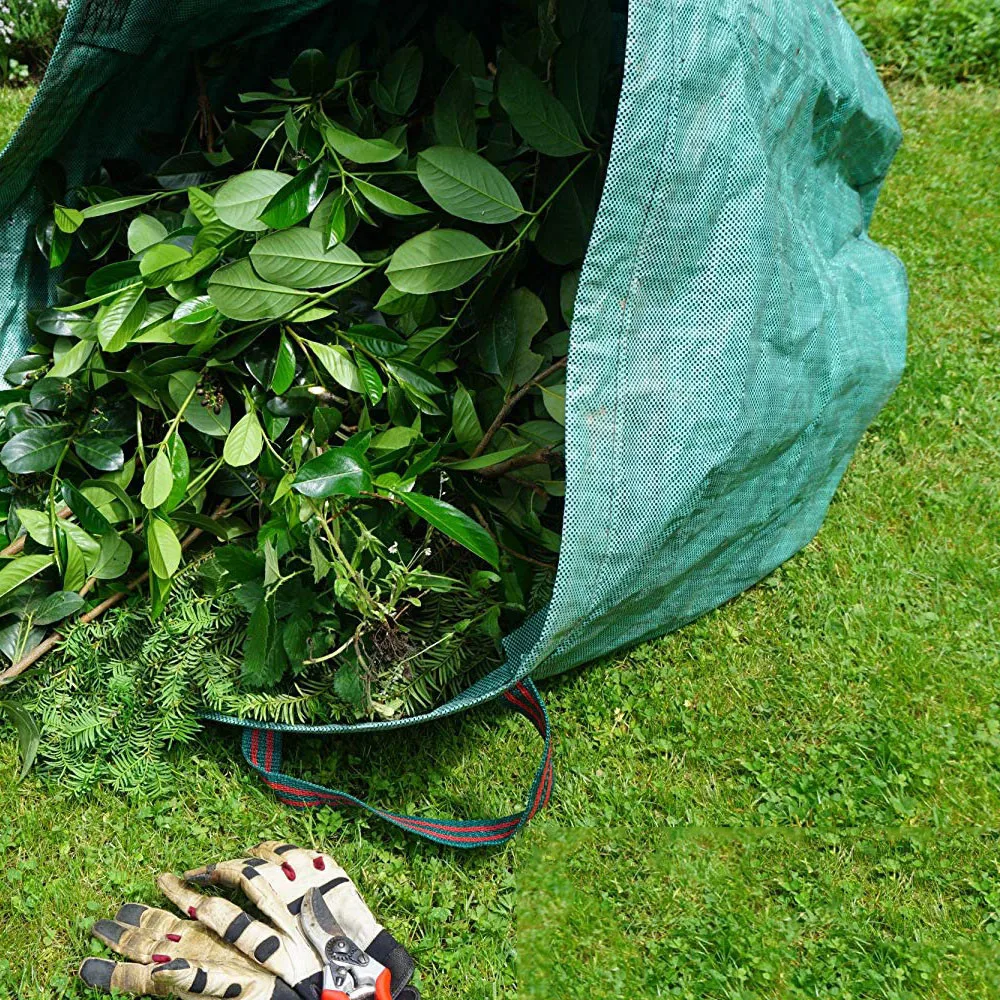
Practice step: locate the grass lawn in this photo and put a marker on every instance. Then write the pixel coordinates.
(790, 798)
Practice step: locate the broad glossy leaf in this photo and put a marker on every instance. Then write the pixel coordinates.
(245, 440)
(116, 205)
(534, 111)
(423, 381)
(377, 340)
(297, 258)
(284, 367)
(338, 363)
(359, 150)
(568, 285)
(298, 197)
(565, 230)
(73, 360)
(180, 468)
(114, 558)
(99, 453)
(311, 73)
(554, 398)
(452, 522)
(467, 186)
(20, 569)
(394, 438)
(163, 547)
(157, 482)
(111, 277)
(121, 319)
(58, 606)
(338, 471)
(459, 46)
(159, 264)
(577, 72)
(437, 261)
(68, 220)
(455, 111)
(465, 420)
(504, 346)
(194, 312)
(202, 206)
(28, 734)
(144, 231)
(487, 460)
(240, 201)
(238, 293)
(386, 201)
(200, 416)
(370, 379)
(90, 518)
(34, 449)
(398, 81)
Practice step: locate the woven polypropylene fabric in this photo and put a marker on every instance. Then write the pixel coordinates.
(735, 329)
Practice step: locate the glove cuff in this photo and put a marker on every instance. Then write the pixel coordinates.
(387, 950)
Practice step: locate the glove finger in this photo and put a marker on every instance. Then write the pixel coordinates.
(192, 980)
(235, 926)
(125, 977)
(257, 879)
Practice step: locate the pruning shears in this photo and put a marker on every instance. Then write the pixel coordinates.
(348, 972)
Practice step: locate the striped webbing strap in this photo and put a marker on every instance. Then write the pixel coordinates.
(262, 749)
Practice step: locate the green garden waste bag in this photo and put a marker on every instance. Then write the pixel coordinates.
(735, 328)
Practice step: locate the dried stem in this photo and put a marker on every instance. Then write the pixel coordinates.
(51, 641)
(517, 462)
(511, 403)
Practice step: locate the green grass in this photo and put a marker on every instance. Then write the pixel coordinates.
(13, 104)
(844, 717)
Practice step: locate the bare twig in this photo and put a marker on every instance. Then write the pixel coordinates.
(511, 403)
(517, 462)
(51, 641)
(17, 546)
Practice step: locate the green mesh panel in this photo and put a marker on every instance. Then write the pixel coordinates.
(735, 330)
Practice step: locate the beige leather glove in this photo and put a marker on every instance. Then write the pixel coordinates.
(170, 955)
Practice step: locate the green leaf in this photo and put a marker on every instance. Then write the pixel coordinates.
(377, 340)
(554, 398)
(116, 205)
(202, 206)
(34, 449)
(90, 518)
(537, 115)
(194, 312)
(180, 468)
(437, 261)
(201, 417)
(577, 73)
(359, 150)
(114, 558)
(505, 344)
(452, 522)
(338, 471)
(485, 461)
(311, 73)
(58, 606)
(99, 453)
(238, 293)
(162, 264)
(244, 442)
(338, 363)
(284, 367)
(28, 734)
(157, 482)
(455, 111)
(425, 382)
(565, 231)
(465, 420)
(297, 258)
(370, 380)
(398, 81)
(386, 201)
(163, 547)
(68, 220)
(240, 201)
(264, 659)
(298, 197)
(37, 525)
(348, 685)
(144, 231)
(467, 186)
(121, 319)
(568, 285)
(73, 360)
(20, 569)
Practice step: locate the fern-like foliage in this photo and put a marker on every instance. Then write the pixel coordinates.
(121, 691)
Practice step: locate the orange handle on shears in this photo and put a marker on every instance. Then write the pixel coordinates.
(382, 989)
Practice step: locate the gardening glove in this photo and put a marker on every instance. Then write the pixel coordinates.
(275, 876)
(169, 955)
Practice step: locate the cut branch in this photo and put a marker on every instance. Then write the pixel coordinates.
(511, 403)
(51, 641)
(517, 462)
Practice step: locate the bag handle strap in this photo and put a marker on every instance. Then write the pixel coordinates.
(262, 749)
